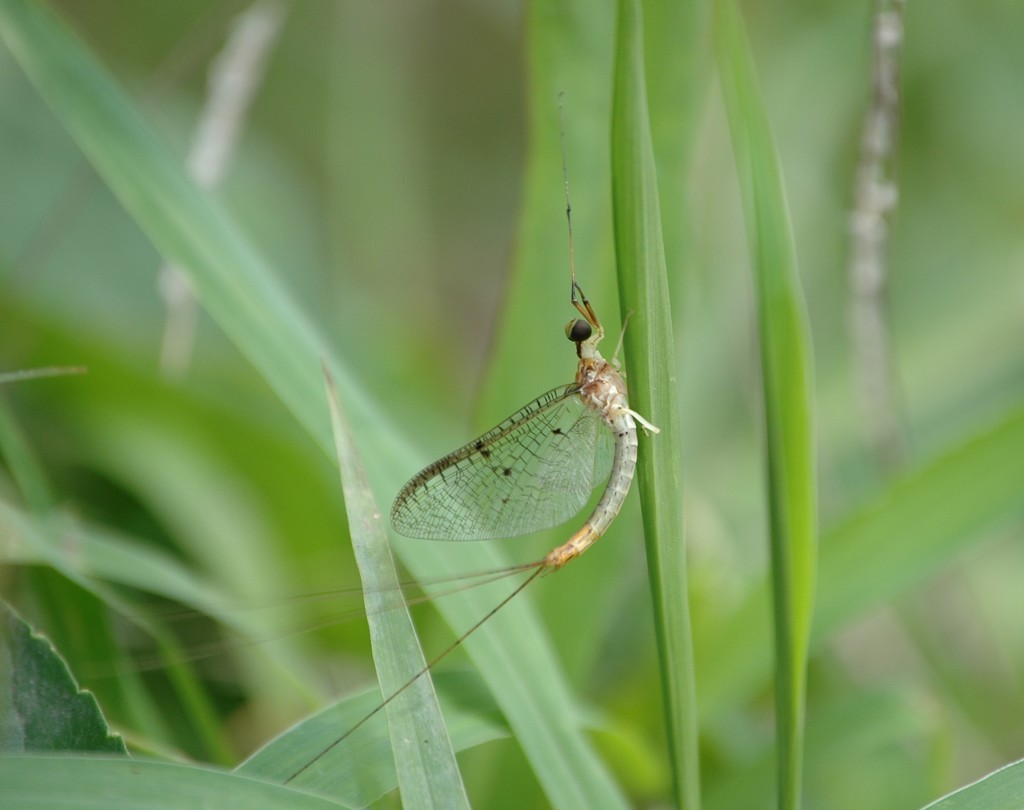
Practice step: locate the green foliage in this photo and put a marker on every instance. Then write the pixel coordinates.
(41, 707)
(1000, 790)
(395, 162)
(427, 774)
(123, 783)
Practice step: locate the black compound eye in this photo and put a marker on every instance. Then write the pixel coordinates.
(578, 330)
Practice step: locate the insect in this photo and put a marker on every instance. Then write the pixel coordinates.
(537, 469)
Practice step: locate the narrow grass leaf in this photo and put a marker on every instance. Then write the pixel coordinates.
(428, 775)
(127, 784)
(786, 375)
(1000, 790)
(643, 290)
(22, 462)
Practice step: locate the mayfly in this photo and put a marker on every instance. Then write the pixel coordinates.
(536, 469)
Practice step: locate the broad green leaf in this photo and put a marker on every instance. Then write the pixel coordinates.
(37, 541)
(41, 706)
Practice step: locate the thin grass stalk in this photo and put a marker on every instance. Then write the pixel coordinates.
(428, 775)
(643, 291)
(787, 381)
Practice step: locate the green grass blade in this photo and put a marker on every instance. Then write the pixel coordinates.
(15, 450)
(677, 57)
(127, 784)
(23, 464)
(786, 370)
(428, 775)
(643, 290)
(1000, 790)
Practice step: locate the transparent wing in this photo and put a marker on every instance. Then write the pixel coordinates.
(533, 471)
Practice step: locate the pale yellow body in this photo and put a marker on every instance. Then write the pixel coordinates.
(602, 389)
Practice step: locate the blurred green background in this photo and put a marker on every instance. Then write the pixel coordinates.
(384, 172)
